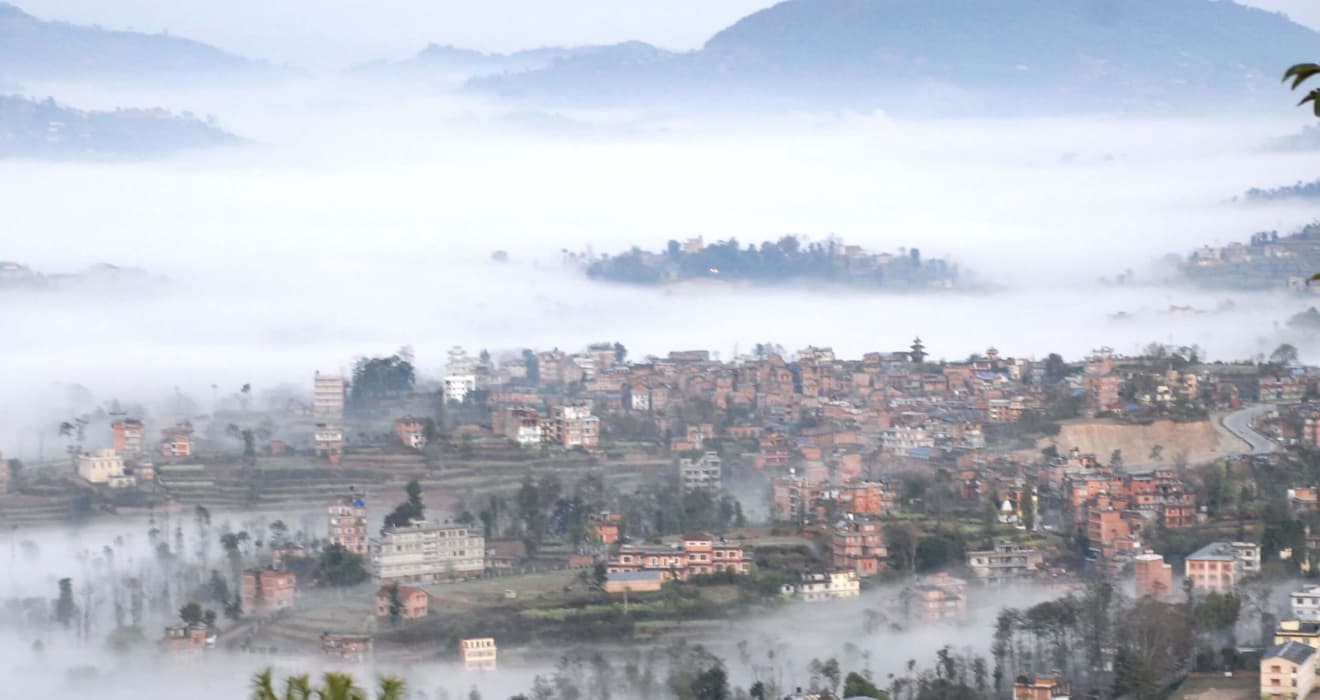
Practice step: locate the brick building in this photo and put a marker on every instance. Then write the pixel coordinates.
(268, 590)
(348, 524)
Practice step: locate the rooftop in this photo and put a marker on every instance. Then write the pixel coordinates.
(1295, 652)
(636, 576)
(1215, 551)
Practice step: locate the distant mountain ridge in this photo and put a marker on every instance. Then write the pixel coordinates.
(35, 50)
(453, 61)
(863, 52)
(49, 131)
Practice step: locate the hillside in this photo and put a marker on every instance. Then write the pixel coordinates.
(1197, 442)
(50, 131)
(1068, 53)
(32, 50)
(442, 61)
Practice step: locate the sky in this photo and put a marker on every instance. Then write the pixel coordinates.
(337, 33)
(323, 34)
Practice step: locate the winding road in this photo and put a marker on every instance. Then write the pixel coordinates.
(1239, 424)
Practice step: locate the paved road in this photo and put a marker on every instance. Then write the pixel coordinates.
(1239, 423)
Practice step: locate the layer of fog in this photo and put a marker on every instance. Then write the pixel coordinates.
(362, 217)
(46, 660)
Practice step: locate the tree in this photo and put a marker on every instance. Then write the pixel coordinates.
(620, 352)
(1055, 369)
(857, 686)
(191, 613)
(396, 603)
(1285, 354)
(334, 686)
(218, 588)
(1028, 506)
(1299, 74)
(533, 367)
(380, 377)
(410, 510)
(65, 608)
(339, 567)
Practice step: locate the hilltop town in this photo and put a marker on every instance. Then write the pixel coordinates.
(552, 495)
(789, 260)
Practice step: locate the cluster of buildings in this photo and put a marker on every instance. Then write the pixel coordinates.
(1113, 509)
(1218, 567)
(641, 568)
(570, 426)
(1288, 668)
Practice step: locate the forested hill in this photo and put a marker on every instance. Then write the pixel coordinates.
(51, 131)
(786, 261)
(1123, 53)
(35, 50)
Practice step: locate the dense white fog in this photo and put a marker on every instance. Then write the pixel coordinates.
(362, 217)
(45, 660)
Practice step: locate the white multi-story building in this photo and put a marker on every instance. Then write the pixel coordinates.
(1306, 604)
(825, 586)
(902, 439)
(458, 386)
(103, 466)
(460, 375)
(328, 395)
(328, 440)
(703, 473)
(1249, 554)
(426, 553)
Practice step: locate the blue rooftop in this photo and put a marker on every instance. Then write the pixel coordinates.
(636, 576)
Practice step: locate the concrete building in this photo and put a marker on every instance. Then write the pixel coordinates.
(188, 640)
(571, 426)
(832, 585)
(858, 544)
(699, 554)
(1287, 671)
(1300, 631)
(1154, 578)
(348, 525)
(1215, 567)
(411, 432)
(936, 598)
(176, 446)
(1008, 561)
(1305, 604)
(1249, 554)
(649, 581)
(328, 392)
(520, 424)
(129, 437)
(458, 386)
(328, 441)
(478, 654)
(426, 553)
(415, 603)
(346, 647)
(703, 473)
(268, 590)
(1040, 688)
(604, 527)
(102, 466)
